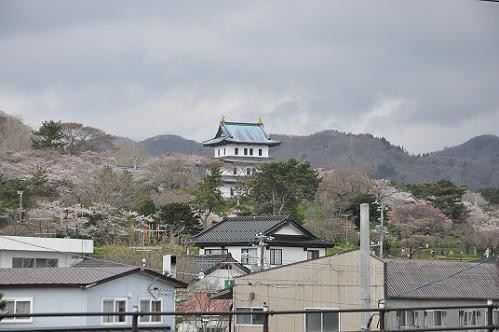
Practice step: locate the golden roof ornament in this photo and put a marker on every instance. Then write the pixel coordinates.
(260, 121)
(222, 120)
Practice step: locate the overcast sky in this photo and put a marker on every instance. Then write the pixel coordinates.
(423, 74)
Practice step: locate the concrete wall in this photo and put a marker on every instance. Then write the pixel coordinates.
(330, 282)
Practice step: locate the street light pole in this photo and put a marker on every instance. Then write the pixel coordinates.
(20, 193)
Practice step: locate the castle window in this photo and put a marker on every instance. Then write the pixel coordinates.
(236, 151)
(235, 171)
(260, 152)
(251, 151)
(245, 151)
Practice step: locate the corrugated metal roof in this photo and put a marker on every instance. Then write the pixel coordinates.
(68, 276)
(239, 132)
(441, 279)
(242, 230)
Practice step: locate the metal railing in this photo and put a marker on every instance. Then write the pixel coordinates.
(268, 314)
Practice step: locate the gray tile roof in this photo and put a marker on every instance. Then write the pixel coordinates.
(239, 132)
(242, 231)
(466, 280)
(69, 276)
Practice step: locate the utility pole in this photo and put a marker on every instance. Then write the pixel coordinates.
(381, 208)
(261, 244)
(20, 193)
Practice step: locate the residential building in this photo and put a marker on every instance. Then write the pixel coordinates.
(333, 282)
(206, 274)
(87, 289)
(427, 283)
(39, 252)
(261, 242)
(242, 147)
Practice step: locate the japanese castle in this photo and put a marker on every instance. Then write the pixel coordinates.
(241, 147)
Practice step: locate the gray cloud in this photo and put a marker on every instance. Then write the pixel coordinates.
(424, 74)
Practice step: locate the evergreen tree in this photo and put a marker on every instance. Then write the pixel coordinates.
(179, 219)
(279, 187)
(49, 136)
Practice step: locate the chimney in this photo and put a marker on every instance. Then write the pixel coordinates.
(365, 257)
(170, 265)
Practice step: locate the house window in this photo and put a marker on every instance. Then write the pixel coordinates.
(322, 322)
(248, 256)
(236, 151)
(248, 171)
(224, 151)
(468, 317)
(260, 152)
(215, 251)
(211, 329)
(406, 319)
(114, 305)
(18, 306)
(219, 152)
(235, 171)
(24, 262)
(275, 256)
(434, 318)
(231, 191)
(251, 319)
(312, 254)
(245, 151)
(251, 151)
(152, 306)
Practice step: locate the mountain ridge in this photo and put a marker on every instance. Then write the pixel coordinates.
(474, 163)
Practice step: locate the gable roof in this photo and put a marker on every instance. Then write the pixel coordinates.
(242, 231)
(241, 132)
(68, 277)
(189, 266)
(426, 279)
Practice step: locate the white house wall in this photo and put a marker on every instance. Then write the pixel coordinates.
(24, 243)
(63, 259)
(289, 254)
(131, 288)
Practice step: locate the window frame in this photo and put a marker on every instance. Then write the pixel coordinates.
(475, 314)
(245, 151)
(405, 312)
(223, 251)
(312, 252)
(443, 313)
(236, 151)
(245, 260)
(259, 309)
(18, 320)
(150, 316)
(322, 317)
(114, 322)
(250, 151)
(260, 152)
(272, 256)
(34, 262)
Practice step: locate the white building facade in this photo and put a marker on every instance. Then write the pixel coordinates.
(38, 252)
(242, 147)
